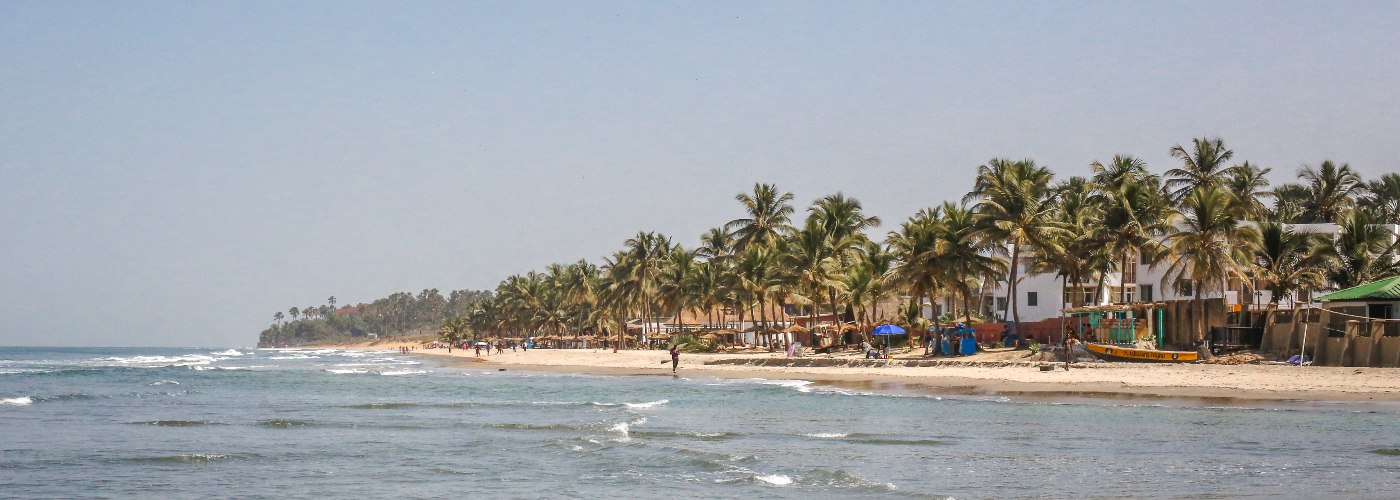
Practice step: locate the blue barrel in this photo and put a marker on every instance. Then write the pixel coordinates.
(969, 347)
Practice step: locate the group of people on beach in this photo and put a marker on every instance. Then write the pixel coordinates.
(500, 348)
(948, 341)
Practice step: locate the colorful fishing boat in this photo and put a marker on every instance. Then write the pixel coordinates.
(1115, 353)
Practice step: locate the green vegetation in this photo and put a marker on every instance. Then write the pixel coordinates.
(1205, 220)
(394, 315)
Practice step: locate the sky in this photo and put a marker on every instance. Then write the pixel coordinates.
(172, 174)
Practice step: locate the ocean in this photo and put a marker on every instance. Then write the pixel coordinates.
(251, 423)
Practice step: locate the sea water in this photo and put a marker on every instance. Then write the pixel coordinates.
(245, 423)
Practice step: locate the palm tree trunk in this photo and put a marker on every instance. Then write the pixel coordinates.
(1098, 290)
(1011, 292)
(762, 312)
(1122, 278)
(967, 303)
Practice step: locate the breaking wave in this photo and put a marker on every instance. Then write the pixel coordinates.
(19, 401)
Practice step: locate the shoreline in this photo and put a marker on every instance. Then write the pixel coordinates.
(1202, 383)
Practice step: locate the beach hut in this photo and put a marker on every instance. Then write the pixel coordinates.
(1371, 301)
(1121, 324)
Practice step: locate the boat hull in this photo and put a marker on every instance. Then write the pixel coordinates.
(1112, 353)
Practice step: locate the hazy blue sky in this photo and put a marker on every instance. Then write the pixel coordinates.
(174, 173)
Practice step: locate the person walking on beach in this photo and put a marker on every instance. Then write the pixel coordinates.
(478, 350)
(675, 357)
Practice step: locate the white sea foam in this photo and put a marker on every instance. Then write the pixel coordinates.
(186, 360)
(23, 370)
(342, 372)
(163, 382)
(624, 428)
(403, 372)
(19, 401)
(775, 479)
(826, 435)
(651, 404)
(800, 385)
(229, 352)
(299, 356)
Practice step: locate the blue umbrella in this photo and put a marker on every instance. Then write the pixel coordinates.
(887, 330)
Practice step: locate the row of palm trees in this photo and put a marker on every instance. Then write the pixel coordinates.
(1206, 220)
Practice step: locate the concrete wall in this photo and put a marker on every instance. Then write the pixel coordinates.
(1363, 343)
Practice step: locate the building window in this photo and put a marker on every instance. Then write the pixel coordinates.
(1032, 299)
(1001, 303)
(1146, 292)
(1129, 271)
(1183, 288)
(1129, 294)
(1143, 258)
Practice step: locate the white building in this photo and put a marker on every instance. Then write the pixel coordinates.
(1042, 296)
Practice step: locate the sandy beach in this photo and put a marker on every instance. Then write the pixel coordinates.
(1097, 379)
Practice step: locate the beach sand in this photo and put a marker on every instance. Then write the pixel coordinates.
(1097, 379)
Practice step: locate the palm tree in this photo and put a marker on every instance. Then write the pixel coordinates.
(1382, 199)
(454, 331)
(1016, 207)
(1362, 252)
(1211, 244)
(756, 272)
(812, 258)
(841, 217)
(277, 317)
(1281, 262)
(1080, 208)
(294, 312)
(967, 252)
(1134, 219)
(1247, 183)
(922, 267)
(1328, 190)
(706, 285)
(1122, 169)
(674, 281)
(1203, 166)
(843, 220)
(645, 253)
(866, 283)
(768, 217)
(715, 244)
(331, 301)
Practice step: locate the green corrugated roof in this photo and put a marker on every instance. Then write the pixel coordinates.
(1384, 289)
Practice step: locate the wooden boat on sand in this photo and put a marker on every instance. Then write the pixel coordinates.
(1115, 353)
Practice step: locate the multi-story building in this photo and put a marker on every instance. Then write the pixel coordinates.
(1042, 296)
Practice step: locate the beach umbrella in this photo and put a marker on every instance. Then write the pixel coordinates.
(887, 330)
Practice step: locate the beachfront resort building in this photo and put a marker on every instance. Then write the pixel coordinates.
(1043, 296)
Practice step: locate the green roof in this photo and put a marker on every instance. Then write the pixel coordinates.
(1387, 289)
